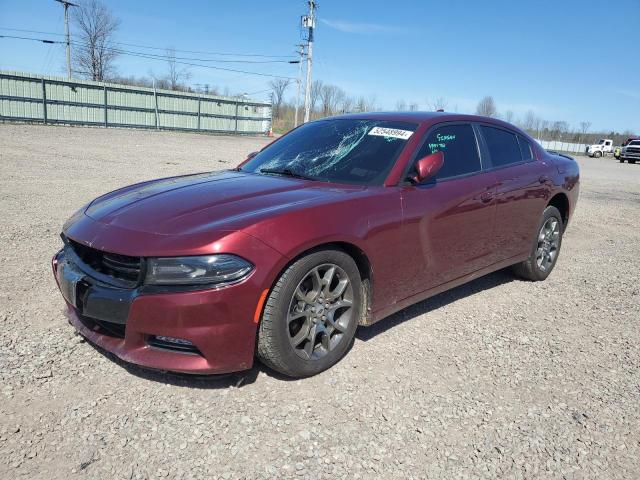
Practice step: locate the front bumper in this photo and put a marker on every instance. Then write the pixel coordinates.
(219, 323)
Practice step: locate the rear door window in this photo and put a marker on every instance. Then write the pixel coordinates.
(458, 144)
(525, 149)
(503, 146)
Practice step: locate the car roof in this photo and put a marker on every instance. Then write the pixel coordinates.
(423, 117)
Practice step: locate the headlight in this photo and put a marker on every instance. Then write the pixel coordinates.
(207, 269)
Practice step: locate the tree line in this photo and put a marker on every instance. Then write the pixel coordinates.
(327, 100)
(551, 130)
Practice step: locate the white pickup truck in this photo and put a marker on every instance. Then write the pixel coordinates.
(631, 152)
(601, 148)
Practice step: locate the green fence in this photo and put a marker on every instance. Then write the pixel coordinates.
(34, 98)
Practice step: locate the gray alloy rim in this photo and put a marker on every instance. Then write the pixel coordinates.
(548, 243)
(320, 311)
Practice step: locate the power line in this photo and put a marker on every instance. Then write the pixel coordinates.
(43, 40)
(158, 48)
(207, 53)
(169, 56)
(165, 58)
(154, 57)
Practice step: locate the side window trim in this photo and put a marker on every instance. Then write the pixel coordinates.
(488, 153)
(527, 143)
(485, 157)
(414, 156)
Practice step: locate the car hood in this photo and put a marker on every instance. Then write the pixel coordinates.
(210, 201)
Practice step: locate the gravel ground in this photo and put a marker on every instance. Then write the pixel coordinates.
(498, 378)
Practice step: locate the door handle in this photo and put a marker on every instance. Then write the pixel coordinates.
(486, 197)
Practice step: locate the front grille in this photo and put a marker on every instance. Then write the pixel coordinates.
(121, 267)
(633, 150)
(110, 329)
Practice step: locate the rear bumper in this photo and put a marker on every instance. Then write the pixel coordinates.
(219, 323)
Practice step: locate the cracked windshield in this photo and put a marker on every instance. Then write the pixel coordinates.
(359, 152)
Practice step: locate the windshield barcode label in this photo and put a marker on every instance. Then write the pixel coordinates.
(391, 132)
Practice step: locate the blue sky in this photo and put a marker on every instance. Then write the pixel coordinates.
(547, 56)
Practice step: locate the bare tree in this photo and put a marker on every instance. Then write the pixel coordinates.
(338, 100)
(371, 102)
(326, 99)
(347, 104)
(361, 105)
(176, 76)
(94, 54)
(529, 121)
(366, 104)
(558, 129)
(584, 128)
(401, 105)
(487, 107)
(438, 103)
(543, 129)
(278, 88)
(330, 97)
(316, 88)
(537, 125)
(508, 116)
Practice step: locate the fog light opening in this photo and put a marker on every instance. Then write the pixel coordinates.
(179, 341)
(173, 344)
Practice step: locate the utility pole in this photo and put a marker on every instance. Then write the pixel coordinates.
(299, 82)
(309, 22)
(66, 5)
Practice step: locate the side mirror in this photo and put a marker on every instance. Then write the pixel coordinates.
(427, 167)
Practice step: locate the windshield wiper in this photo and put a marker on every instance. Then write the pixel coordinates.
(286, 172)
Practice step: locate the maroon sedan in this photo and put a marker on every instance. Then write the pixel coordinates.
(339, 223)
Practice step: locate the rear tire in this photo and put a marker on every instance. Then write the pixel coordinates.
(545, 248)
(311, 314)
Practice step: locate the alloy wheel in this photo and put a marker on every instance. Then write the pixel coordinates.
(548, 244)
(320, 311)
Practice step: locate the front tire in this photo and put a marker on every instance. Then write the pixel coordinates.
(631, 161)
(597, 154)
(311, 314)
(621, 159)
(545, 249)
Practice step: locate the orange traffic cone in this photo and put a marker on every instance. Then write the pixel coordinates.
(270, 132)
